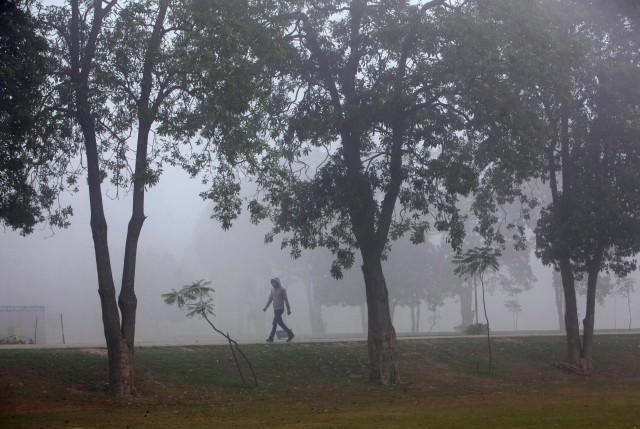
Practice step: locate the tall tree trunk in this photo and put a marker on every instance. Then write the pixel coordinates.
(418, 317)
(119, 352)
(127, 300)
(486, 318)
(557, 289)
(628, 295)
(475, 297)
(119, 334)
(147, 112)
(82, 60)
(382, 343)
(572, 326)
(589, 320)
(466, 310)
(315, 313)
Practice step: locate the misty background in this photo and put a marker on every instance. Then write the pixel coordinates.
(180, 244)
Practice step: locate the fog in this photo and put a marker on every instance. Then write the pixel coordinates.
(180, 244)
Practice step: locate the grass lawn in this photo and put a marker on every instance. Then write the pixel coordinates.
(324, 385)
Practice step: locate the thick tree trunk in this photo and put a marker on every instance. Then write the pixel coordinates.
(557, 289)
(572, 326)
(382, 343)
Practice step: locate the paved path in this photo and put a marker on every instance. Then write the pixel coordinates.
(341, 338)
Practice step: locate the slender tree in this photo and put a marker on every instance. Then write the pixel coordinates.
(624, 288)
(196, 299)
(514, 308)
(475, 263)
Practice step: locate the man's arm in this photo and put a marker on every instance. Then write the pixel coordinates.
(268, 302)
(286, 302)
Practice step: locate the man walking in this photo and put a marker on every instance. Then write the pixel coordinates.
(279, 298)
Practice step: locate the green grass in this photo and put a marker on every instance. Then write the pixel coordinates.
(445, 385)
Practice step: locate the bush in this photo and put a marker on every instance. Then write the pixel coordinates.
(476, 329)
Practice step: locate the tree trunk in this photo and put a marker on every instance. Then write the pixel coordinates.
(466, 311)
(81, 63)
(557, 288)
(589, 319)
(412, 311)
(629, 306)
(363, 318)
(382, 344)
(418, 317)
(572, 326)
(119, 334)
(315, 314)
(121, 369)
(475, 297)
(486, 318)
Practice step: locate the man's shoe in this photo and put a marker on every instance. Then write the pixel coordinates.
(290, 337)
(269, 340)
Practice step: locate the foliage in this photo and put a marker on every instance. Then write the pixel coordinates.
(222, 122)
(553, 60)
(476, 261)
(567, 79)
(194, 298)
(309, 179)
(513, 306)
(34, 147)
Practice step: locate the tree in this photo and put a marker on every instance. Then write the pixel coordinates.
(625, 287)
(597, 141)
(475, 263)
(514, 308)
(114, 88)
(130, 68)
(568, 80)
(196, 299)
(365, 87)
(32, 132)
